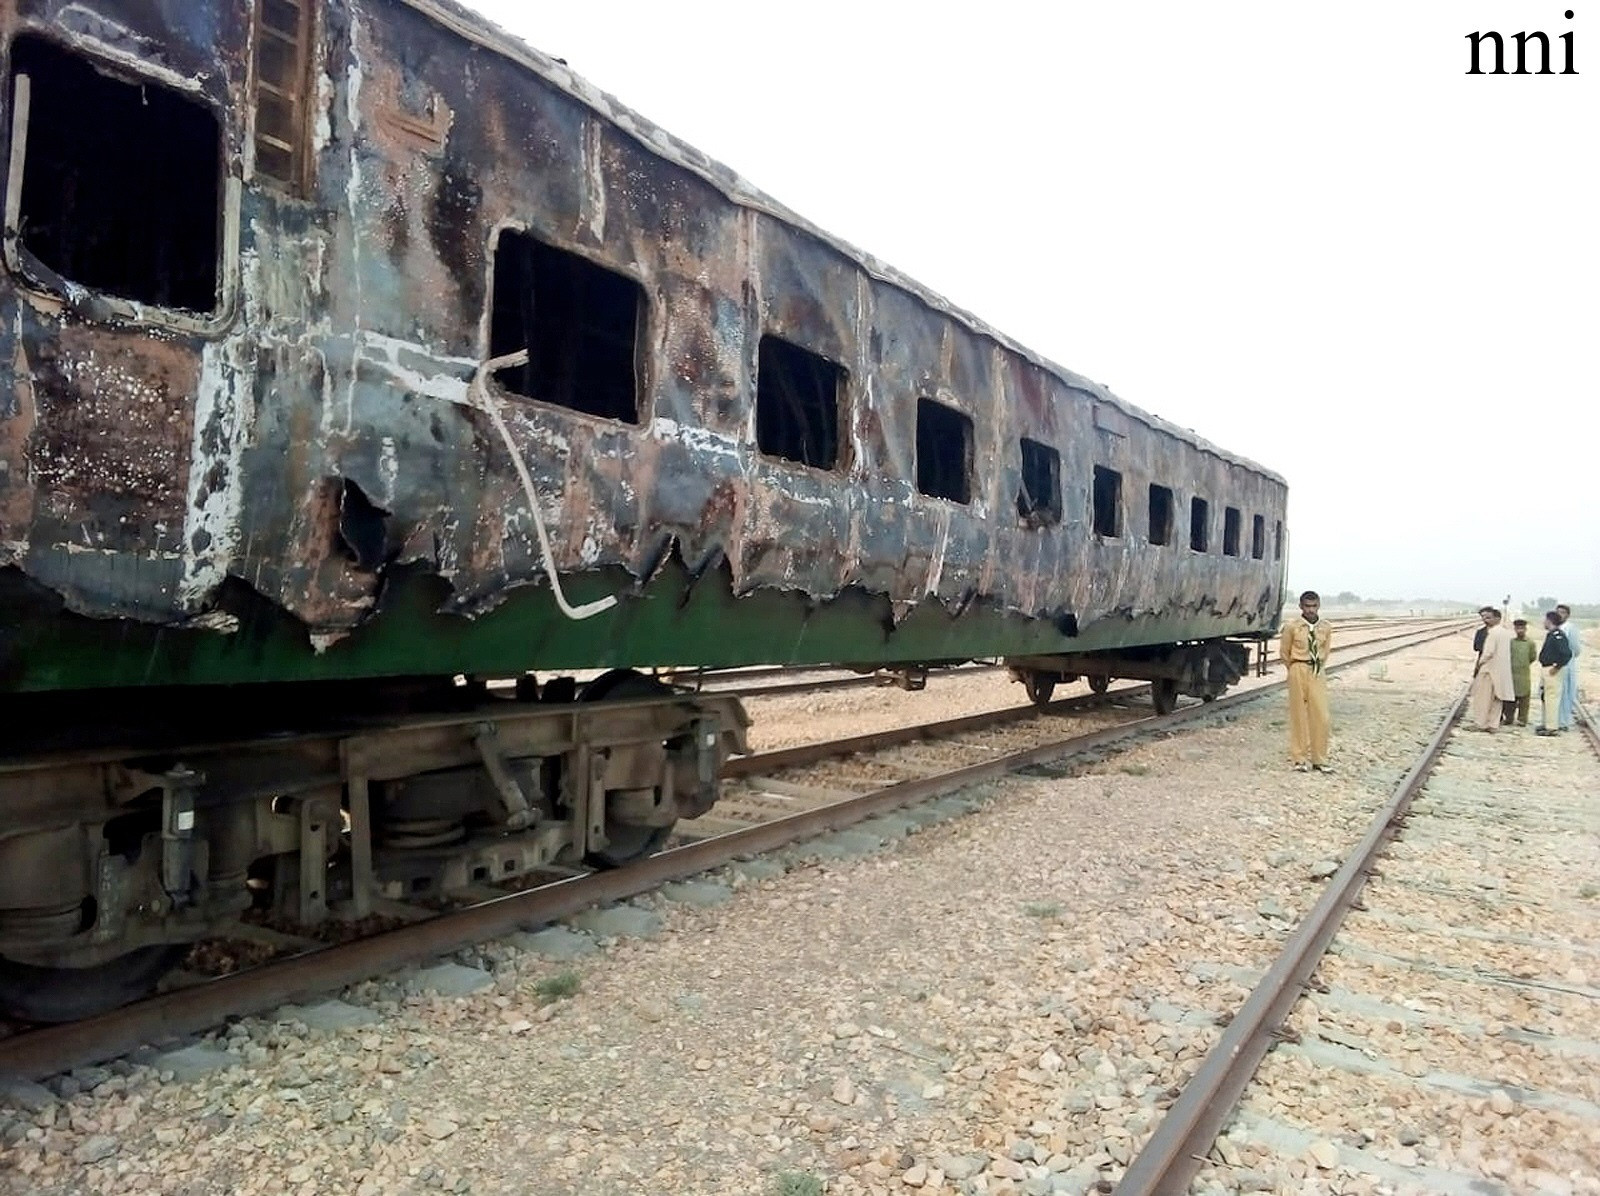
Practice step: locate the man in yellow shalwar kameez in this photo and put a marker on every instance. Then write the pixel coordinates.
(1304, 646)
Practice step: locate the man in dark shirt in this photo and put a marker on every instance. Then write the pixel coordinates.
(1555, 658)
(1487, 614)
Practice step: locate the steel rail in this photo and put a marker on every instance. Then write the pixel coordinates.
(1591, 732)
(760, 763)
(1177, 1150)
(868, 681)
(38, 1053)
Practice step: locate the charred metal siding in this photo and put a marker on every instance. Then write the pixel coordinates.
(319, 433)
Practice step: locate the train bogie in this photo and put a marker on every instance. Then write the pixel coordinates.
(107, 855)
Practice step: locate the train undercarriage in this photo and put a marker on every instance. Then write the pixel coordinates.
(116, 858)
(1203, 670)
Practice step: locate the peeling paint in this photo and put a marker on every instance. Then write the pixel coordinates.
(365, 311)
(216, 483)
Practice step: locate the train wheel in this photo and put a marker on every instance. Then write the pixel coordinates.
(1164, 693)
(1099, 684)
(627, 842)
(1039, 686)
(45, 994)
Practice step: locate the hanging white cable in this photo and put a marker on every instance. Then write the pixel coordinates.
(478, 396)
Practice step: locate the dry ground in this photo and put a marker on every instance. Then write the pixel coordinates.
(977, 1008)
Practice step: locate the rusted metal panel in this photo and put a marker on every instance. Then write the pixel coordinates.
(322, 431)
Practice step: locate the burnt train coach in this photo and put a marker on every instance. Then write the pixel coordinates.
(356, 354)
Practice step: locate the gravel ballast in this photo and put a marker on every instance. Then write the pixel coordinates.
(998, 1003)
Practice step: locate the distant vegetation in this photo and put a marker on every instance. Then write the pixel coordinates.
(1580, 610)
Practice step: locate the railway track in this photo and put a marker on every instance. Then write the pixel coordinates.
(1465, 1005)
(45, 1051)
(774, 784)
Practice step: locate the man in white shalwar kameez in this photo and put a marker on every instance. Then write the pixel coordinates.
(1491, 681)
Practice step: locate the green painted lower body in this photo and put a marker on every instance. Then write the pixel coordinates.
(672, 621)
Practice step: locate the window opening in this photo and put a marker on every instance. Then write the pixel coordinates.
(944, 452)
(1258, 536)
(1107, 502)
(1199, 525)
(797, 404)
(1039, 500)
(121, 182)
(1160, 514)
(1230, 531)
(578, 321)
(283, 43)
(1277, 540)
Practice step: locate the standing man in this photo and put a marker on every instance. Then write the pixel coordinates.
(1491, 678)
(1568, 708)
(1486, 613)
(1523, 653)
(1555, 659)
(1304, 646)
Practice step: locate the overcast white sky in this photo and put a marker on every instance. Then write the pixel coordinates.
(1303, 231)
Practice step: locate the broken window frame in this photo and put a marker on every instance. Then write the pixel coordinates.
(1118, 520)
(1161, 530)
(1049, 511)
(86, 302)
(1258, 537)
(303, 43)
(969, 436)
(1232, 530)
(1200, 507)
(644, 317)
(840, 464)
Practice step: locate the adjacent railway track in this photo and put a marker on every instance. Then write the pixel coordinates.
(45, 1051)
(1474, 814)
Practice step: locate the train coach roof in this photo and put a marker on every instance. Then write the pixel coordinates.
(479, 30)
